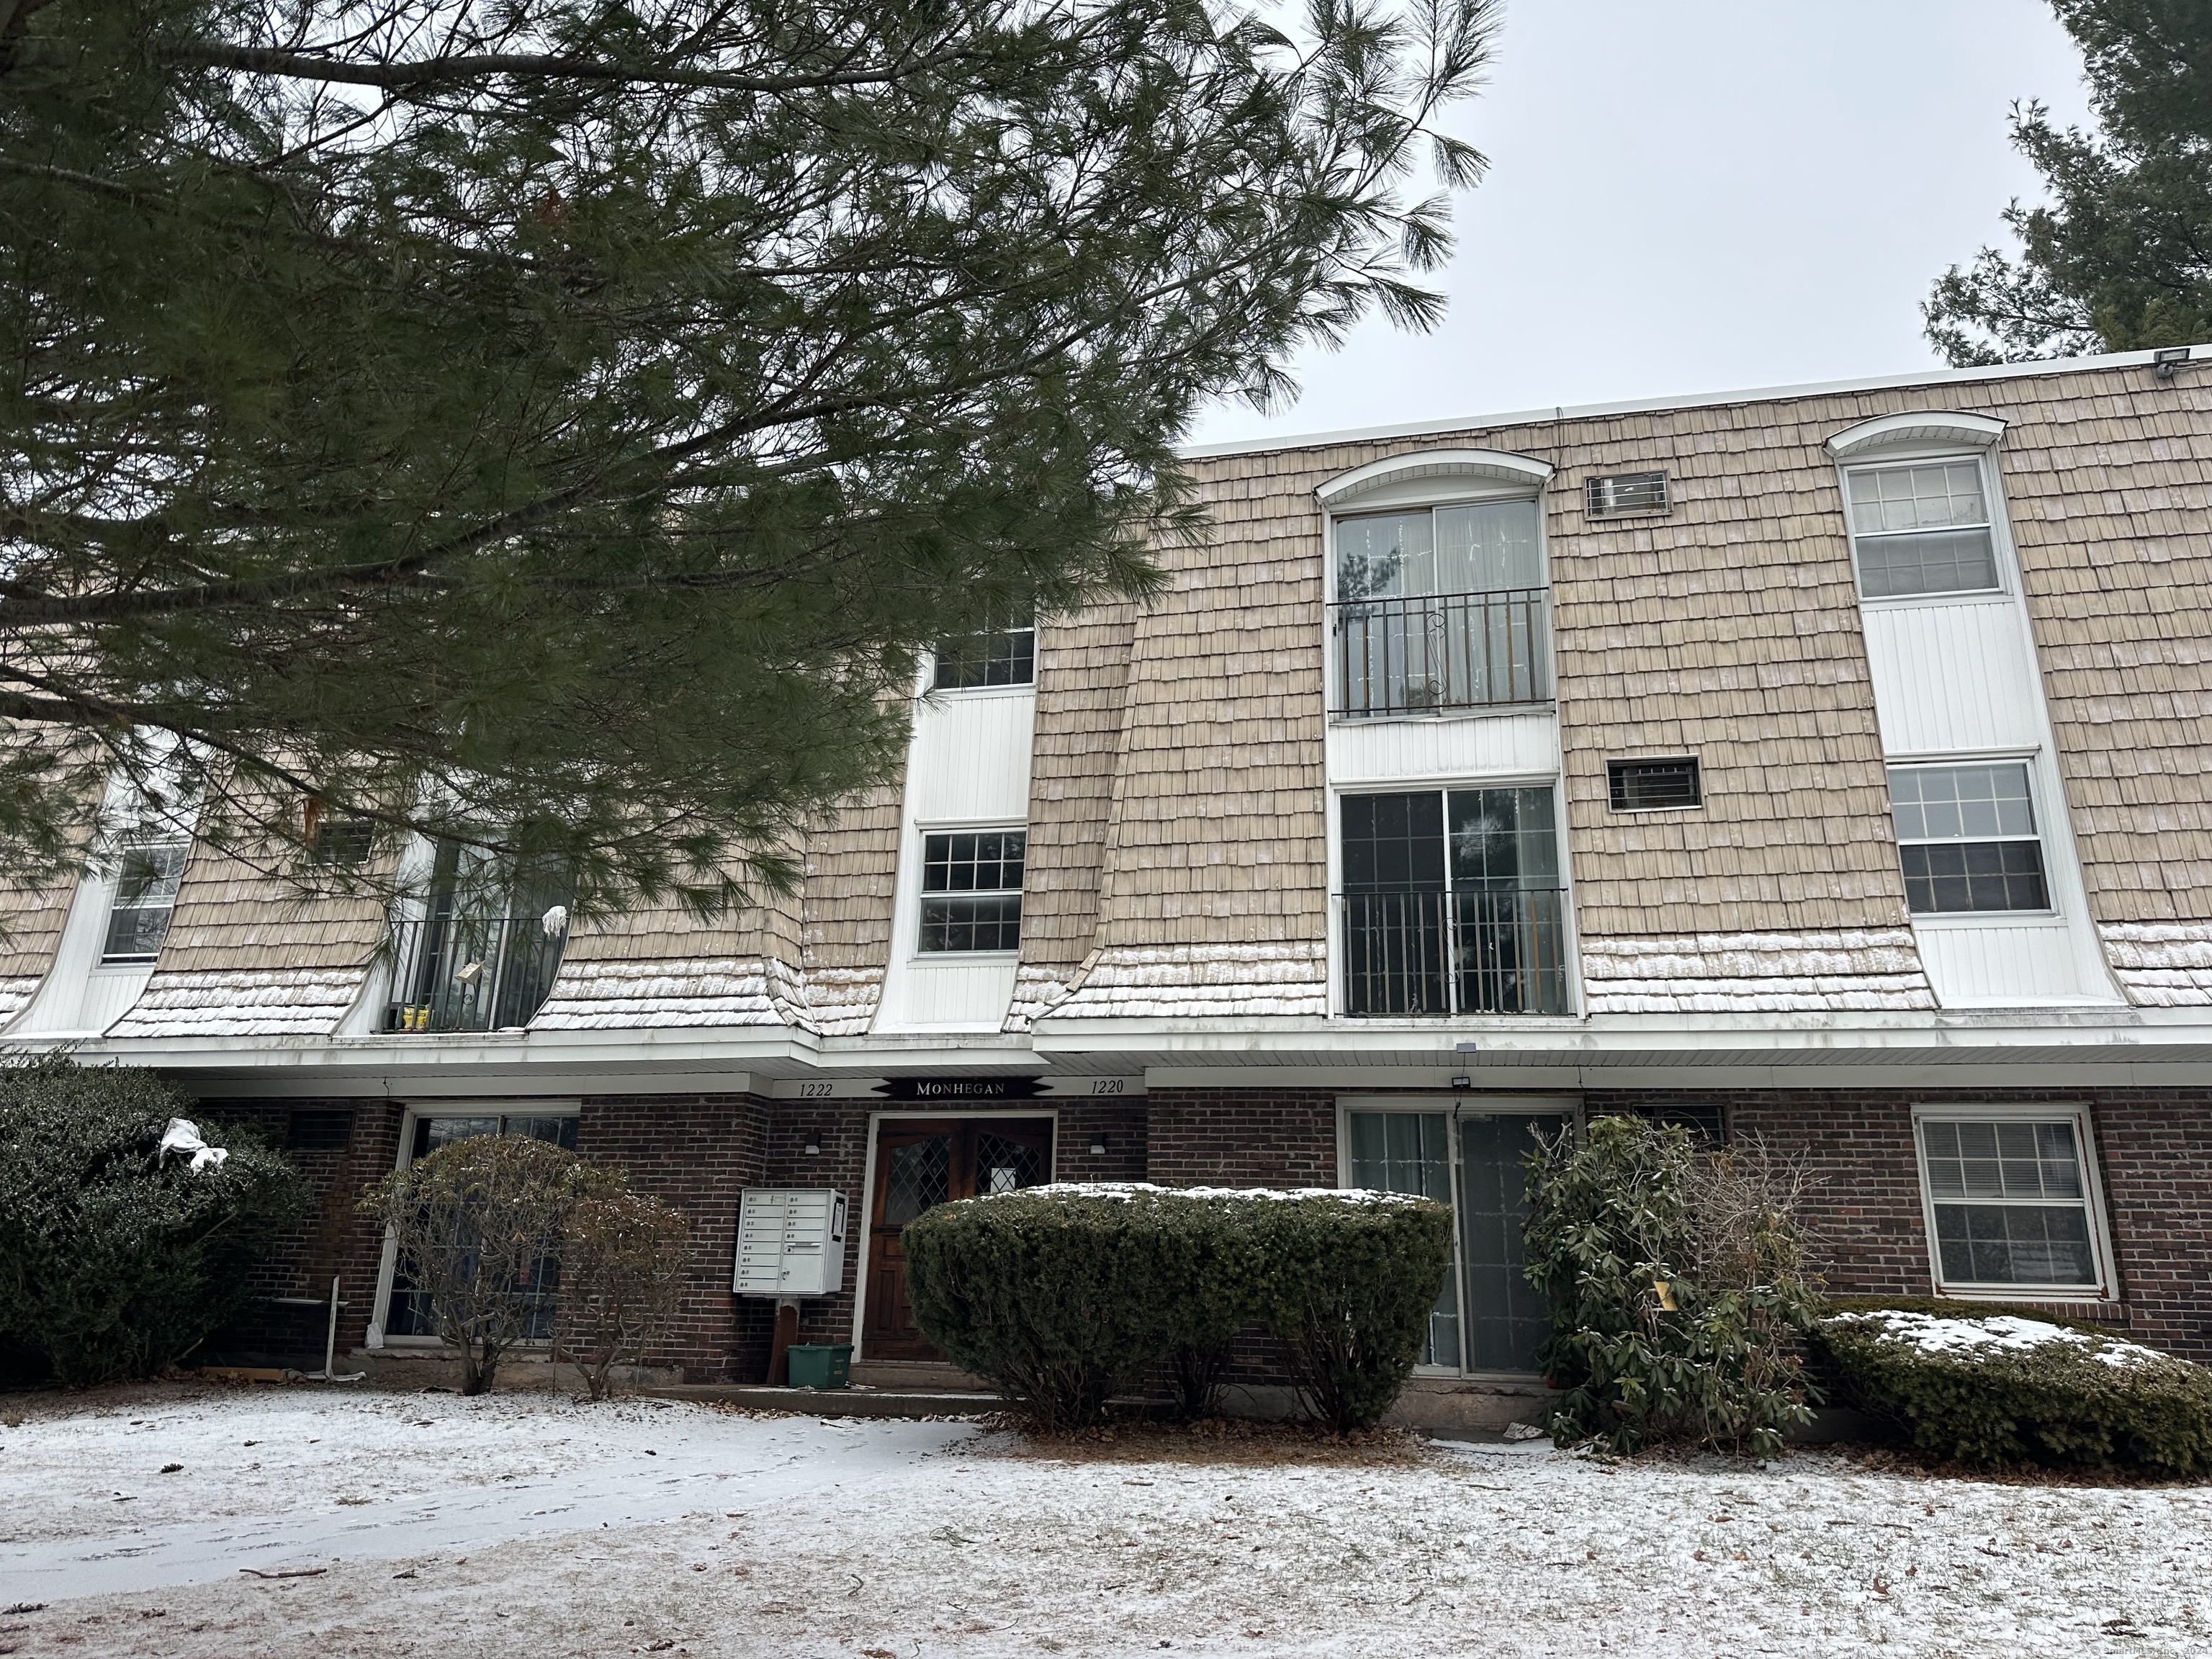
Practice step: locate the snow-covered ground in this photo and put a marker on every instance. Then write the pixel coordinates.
(518, 1526)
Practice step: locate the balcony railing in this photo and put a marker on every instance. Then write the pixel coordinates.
(1437, 651)
(1480, 952)
(470, 973)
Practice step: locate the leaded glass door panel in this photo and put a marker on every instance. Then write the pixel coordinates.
(919, 1165)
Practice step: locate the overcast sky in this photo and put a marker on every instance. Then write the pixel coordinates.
(1703, 195)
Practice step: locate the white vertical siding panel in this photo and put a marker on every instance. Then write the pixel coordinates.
(1951, 679)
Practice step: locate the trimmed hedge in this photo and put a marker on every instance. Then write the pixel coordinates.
(2056, 1393)
(1065, 1296)
(1348, 1286)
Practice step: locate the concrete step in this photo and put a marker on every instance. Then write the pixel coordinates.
(929, 1376)
(858, 1401)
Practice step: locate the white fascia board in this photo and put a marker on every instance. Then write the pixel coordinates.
(2135, 1033)
(1927, 377)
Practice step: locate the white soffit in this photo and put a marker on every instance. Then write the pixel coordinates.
(1488, 465)
(1932, 427)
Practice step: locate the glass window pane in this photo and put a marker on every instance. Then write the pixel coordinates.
(1932, 495)
(1394, 843)
(972, 923)
(1490, 549)
(1409, 1152)
(1504, 839)
(1946, 561)
(1385, 557)
(2008, 1230)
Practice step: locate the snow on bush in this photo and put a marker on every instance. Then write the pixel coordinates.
(1066, 1295)
(1995, 1387)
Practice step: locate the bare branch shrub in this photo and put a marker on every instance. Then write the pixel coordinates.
(481, 1225)
(622, 1265)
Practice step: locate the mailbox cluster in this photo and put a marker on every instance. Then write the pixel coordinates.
(791, 1241)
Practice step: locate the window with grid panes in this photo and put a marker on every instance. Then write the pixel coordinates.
(2010, 1198)
(997, 656)
(1922, 528)
(1452, 903)
(1967, 838)
(971, 890)
(146, 885)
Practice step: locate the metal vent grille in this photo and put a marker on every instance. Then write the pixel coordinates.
(1643, 786)
(1625, 493)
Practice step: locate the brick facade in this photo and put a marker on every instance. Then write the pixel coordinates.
(2154, 1149)
(1243, 1138)
(699, 1152)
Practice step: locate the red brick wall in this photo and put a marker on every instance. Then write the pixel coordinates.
(334, 1239)
(697, 1152)
(1243, 1138)
(2153, 1148)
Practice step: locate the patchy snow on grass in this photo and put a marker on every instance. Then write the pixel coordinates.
(1936, 1334)
(558, 1529)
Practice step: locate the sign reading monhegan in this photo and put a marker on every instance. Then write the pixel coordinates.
(961, 1088)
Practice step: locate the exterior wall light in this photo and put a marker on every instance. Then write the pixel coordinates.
(814, 1143)
(1099, 1146)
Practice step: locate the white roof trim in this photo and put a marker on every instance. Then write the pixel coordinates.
(1493, 420)
(1935, 426)
(1493, 464)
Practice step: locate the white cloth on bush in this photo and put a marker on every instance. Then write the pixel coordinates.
(184, 1136)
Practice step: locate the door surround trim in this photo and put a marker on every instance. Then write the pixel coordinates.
(1040, 1108)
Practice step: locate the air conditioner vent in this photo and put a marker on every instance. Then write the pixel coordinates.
(1626, 494)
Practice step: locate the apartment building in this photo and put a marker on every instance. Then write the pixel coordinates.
(1827, 765)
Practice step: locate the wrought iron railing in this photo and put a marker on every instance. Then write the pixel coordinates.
(456, 972)
(1437, 651)
(1496, 952)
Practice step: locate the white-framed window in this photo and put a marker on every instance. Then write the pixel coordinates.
(150, 869)
(406, 1312)
(1967, 838)
(996, 656)
(2013, 1200)
(1452, 902)
(1470, 1154)
(1922, 527)
(1439, 608)
(971, 890)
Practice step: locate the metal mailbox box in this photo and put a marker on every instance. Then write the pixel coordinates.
(791, 1241)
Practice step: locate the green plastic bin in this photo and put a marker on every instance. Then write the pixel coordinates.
(821, 1364)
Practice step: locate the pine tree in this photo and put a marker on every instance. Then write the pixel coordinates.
(2121, 258)
(558, 425)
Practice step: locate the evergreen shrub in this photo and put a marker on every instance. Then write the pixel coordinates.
(1347, 1282)
(1679, 1295)
(1065, 1296)
(116, 1260)
(1991, 1385)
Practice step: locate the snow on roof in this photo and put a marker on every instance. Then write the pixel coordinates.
(1969, 1337)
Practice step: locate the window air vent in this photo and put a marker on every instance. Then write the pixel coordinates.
(1625, 494)
(1641, 786)
(319, 1132)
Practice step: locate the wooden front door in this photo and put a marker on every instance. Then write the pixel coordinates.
(921, 1163)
